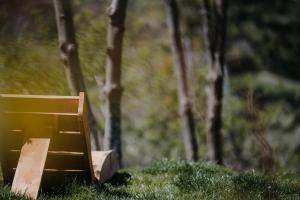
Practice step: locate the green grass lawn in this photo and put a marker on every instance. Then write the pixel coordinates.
(180, 180)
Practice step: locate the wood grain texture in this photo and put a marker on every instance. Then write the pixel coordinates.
(105, 164)
(84, 126)
(30, 167)
(39, 103)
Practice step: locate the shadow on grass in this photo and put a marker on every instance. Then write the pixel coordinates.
(119, 179)
(71, 187)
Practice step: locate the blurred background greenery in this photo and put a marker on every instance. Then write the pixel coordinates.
(262, 73)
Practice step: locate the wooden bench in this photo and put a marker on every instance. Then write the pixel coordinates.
(46, 140)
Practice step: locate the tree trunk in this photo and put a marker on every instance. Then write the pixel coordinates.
(260, 134)
(113, 88)
(69, 56)
(185, 104)
(189, 57)
(215, 37)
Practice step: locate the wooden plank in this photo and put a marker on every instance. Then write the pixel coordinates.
(66, 153)
(4, 157)
(66, 162)
(38, 113)
(55, 153)
(12, 159)
(83, 123)
(73, 133)
(34, 104)
(53, 161)
(3, 160)
(21, 96)
(30, 167)
(69, 123)
(54, 178)
(13, 139)
(65, 122)
(67, 142)
(62, 141)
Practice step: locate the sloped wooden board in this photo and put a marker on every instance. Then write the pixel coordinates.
(28, 175)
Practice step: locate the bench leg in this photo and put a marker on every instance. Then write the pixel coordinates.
(105, 164)
(30, 167)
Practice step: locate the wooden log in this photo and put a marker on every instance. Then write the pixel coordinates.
(105, 164)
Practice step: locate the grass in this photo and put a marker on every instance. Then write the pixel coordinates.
(179, 180)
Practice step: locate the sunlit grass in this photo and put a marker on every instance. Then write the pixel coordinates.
(178, 180)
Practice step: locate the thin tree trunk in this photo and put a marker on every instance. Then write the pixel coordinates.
(260, 133)
(69, 56)
(185, 104)
(113, 88)
(215, 37)
(189, 57)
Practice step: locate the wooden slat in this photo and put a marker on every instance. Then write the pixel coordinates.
(55, 153)
(3, 161)
(26, 96)
(39, 113)
(39, 104)
(66, 162)
(13, 139)
(69, 123)
(31, 163)
(69, 132)
(53, 161)
(63, 141)
(12, 159)
(67, 142)
(8, 141)
(65, 122)
(84, 129)
(55, 178)
(66, 153)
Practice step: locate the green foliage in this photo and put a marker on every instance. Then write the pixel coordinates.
(274, 101)
(30, 67)
(35, 20)
(267, 32)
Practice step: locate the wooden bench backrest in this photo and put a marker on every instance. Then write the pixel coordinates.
(34, 116)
